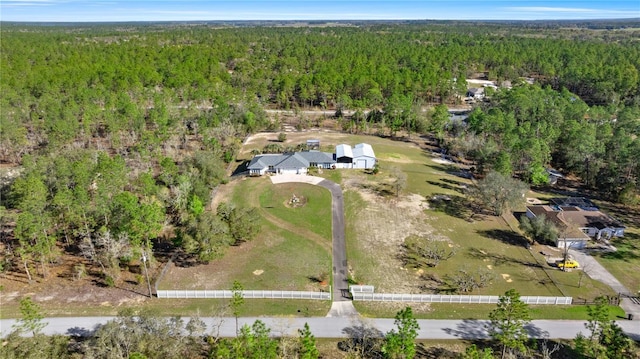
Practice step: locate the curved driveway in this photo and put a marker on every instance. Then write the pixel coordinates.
(340, 269)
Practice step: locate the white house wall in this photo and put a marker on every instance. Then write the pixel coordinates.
(344, 165)
(572, 244)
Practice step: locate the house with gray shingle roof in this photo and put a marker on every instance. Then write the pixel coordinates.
(361, 156)
(293, 163)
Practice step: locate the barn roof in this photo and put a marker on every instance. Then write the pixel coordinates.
(344, 151)
(363, 150)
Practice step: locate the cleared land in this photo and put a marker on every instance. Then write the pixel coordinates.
(288, 254)
(293, 249)
(378, 221)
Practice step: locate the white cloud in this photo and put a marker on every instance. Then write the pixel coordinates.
(569, 10)
(16, 3)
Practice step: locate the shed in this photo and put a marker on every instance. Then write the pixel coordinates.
(313, 144)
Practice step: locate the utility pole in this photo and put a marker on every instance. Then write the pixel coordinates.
(146, 272)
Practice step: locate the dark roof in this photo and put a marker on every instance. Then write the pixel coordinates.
(293, 161)
(317, 156)
(290, 160)
(261, 161)
(580, 202)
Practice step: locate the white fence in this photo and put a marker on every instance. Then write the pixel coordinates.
(462, 299)
(361, 289)
(249, 294)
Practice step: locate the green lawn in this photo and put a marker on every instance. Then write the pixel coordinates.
(292, 246)
(189, 307)
(292, 250)
(624, 264)
(483, 242)
(314, 215)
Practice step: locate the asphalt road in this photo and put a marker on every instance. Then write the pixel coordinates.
(340, 327)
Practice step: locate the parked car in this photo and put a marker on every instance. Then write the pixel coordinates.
(569, 263)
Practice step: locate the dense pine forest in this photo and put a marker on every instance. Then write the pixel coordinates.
(121, 131)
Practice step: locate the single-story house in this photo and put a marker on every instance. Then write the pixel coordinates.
(476, 93)
(577, 225)
(293, 163)
(360, 156)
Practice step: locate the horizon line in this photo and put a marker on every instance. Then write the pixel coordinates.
(319, 20)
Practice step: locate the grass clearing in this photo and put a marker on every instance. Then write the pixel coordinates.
(291, 252)
(381, 222)
(314, 212)
(624, 264)
(376, 224)
(188, 307)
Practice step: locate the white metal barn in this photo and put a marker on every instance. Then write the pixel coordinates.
(361, 156)
(344, 156)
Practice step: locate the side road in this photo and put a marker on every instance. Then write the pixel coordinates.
(323, 327)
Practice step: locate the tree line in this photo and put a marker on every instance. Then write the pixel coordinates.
(144, 334)
(63, 85)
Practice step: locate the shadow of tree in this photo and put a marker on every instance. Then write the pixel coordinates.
(82, 332)
(535, 332)
(445, 186)
(470, 329)
(499, 259)
(505, 236)
(627, 215)
(435, 352)
(628, 248)
(364, 341)
(452, 205)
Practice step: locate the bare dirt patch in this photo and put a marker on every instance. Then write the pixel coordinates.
(328, 138)
(62, 289)
(506, 277)
(381, 225)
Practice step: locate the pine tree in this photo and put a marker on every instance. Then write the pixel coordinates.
(308, 349)
(401, 344)
(508, 321)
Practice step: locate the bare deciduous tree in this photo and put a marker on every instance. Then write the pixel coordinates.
(424, 252)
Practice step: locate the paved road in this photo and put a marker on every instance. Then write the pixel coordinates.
(356, 327)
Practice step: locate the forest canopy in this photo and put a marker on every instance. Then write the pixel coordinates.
(124, 129)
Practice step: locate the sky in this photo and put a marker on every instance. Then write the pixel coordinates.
(194, 10)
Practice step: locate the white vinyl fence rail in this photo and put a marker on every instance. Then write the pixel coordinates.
(248, 294)
(462, 299)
